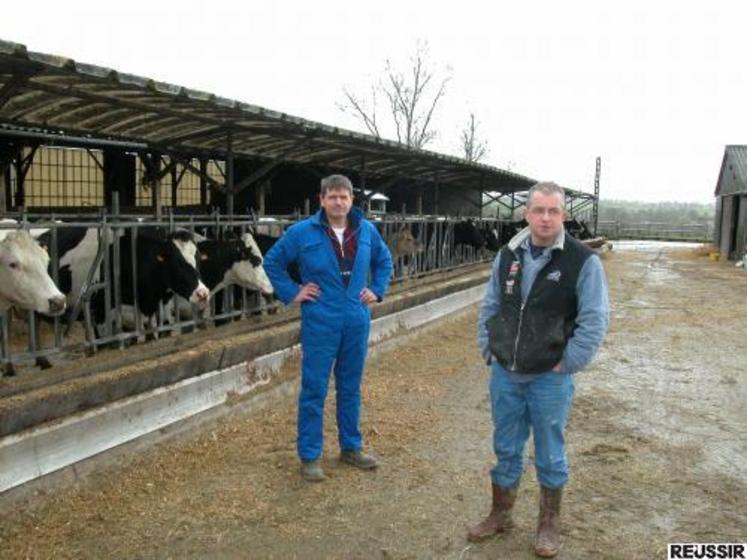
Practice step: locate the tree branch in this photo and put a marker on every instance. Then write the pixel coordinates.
(410, 105)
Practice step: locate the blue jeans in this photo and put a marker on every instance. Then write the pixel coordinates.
(542, 404)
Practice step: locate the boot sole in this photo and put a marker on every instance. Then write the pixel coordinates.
(314, 479)
(545, 553)
(481, 538)
(359, 466)
(485, 536)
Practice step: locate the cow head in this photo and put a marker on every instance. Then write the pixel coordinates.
(24, 280)
(404, 243)
(509, 229)
(492, 238)
(248, 271)
(577, 228)
(178, 263)
(184, 241)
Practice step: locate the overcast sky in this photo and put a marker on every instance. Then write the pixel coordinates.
(657, 89)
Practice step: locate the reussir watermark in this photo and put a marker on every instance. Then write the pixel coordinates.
(727, 551)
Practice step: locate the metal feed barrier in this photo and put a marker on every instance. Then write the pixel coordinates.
(434, 233)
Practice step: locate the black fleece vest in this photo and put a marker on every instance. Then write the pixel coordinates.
(531, 338)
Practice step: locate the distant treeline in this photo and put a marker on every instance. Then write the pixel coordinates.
(629, 212)
(635, 212)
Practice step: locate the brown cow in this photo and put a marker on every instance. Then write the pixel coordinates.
(404, 247)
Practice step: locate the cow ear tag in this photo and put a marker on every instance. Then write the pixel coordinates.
(203, 257)
(160, 258)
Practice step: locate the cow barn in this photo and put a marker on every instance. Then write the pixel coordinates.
(87, 146)
(731, 204)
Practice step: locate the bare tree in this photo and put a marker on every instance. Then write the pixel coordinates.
(412, 98)
(361, 110)
(473, 148)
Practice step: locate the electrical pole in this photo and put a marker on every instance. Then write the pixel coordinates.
(595, 211)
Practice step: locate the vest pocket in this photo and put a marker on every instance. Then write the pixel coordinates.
(500, 338)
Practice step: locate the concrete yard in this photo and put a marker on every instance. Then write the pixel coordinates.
(657, 445)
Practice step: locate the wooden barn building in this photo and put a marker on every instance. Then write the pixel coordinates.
(731, 204)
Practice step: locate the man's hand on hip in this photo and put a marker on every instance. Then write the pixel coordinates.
(309, 292)
(368, 297)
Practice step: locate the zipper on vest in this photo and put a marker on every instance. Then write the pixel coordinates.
(518, 334)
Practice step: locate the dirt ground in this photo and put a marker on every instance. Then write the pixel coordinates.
(657, 443)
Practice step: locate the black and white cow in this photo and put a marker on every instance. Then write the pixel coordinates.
(573, 226)
(509, 228)
(492, 237)
(467, 233)
(76, 252)
(233, 262)
(164, 267)
(229, 263)
(577, 228)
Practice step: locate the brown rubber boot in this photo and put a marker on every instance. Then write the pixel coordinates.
(499, 518)
(547, 543)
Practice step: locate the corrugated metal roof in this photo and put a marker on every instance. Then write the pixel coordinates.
(733, 175)
(60, 95)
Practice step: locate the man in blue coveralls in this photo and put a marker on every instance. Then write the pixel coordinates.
(543, 318)
(335, 249)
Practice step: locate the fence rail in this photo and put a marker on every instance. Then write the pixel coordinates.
(656, 231)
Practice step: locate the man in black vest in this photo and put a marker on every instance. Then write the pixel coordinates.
(543, 318)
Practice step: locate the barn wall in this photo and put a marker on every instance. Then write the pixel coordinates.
(4, 189)
(84, 178)
(741, 236)
(188, 189)
(732, 175)
(728, 225)
(64, 177)
(453, 201)
(78, 178)
(119, 176)
(289, 188)
(729, 222)
(727, 180)
(459, 201)
(407, 194)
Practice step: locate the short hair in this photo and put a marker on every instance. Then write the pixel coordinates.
(336, 183)
(547, 188)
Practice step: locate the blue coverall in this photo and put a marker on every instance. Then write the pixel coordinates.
(335, 327)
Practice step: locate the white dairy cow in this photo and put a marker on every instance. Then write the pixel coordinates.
(35, 232)
(24, 278)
